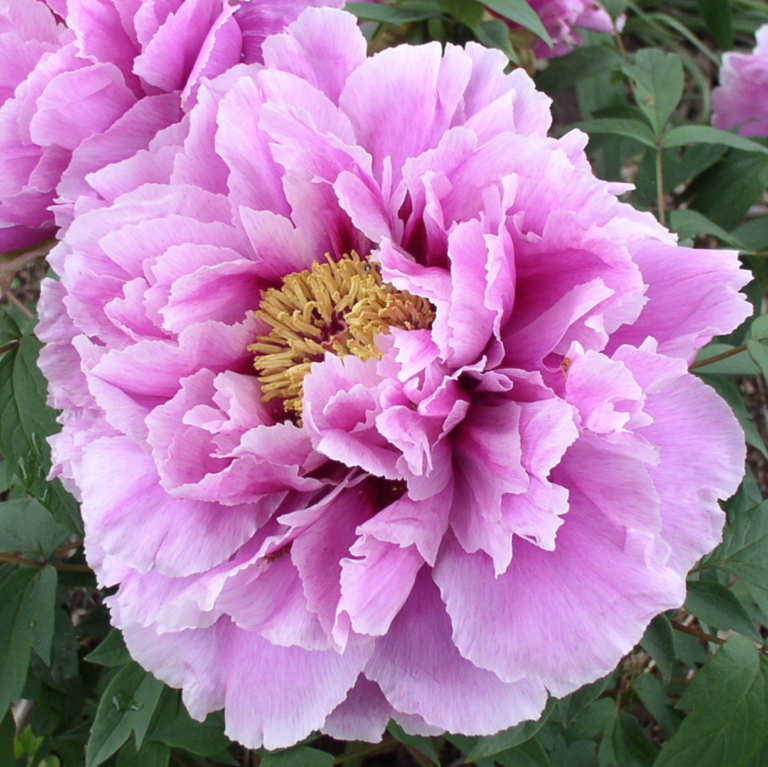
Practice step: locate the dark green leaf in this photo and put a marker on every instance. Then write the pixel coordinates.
(150, 755)
(659, 641)
(753, 233)
(25, 419)
(467, 12)
(729, 721)
(571, 706)
(744, 551)
(10, 332)
(495, 34)
(420, 743)
(7, 730)
(705, 134)
(126, 706)
(579, 64)
(299, 756)
(739, 178)
(521, 13)
(618, 127)
(651, 693)
(528, 754)
(615, 7)
(716, 605)
(758, 329)
(494, 744)
(625, 742)
(27, 601)
(659, 84)
(690, 223)
(717, 17)
(179, 730)
(28, 528)
(111, 652)
(759, 354)
(62, 672)
(388, 14)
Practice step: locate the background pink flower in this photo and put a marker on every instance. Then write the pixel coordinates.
(563, 19)
(91, 91)
(389, 423)
(742, 97)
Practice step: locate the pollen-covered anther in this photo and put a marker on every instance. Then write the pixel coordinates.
(336, 306)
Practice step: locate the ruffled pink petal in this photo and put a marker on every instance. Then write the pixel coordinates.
(123, 501)
(420, 671)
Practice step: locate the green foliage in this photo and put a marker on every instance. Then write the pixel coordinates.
(27, 598)
(126, 707)
(728, 723)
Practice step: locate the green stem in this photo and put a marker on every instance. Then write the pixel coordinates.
(660, 187)
(718, 357)
(25, 256)
(696, 633)
(17, 559)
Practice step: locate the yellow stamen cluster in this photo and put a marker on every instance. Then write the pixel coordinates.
(336, 306)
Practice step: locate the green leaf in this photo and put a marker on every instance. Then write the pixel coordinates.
(150, 755)
(619, 127)
(690, 223)
(571, 706)
(739, 178)
(729, 721)
(716, 605)
(659, 82)
(7, 731)
(420, 743)
(758, 329)
(494, 33)
(528, 754)
(659, 641)
(178, 730)
(744, 550)
(126, 706)
(27, 601)
(579, 64)
(753, 233)
(27, 527)
(388, 14)
(10, 332)
(705, 134)
(717, 17)
(25, 419)
(502, 741)
(625, 742)
(467, 12)
(759, 353)
(521, 13)
(651, 693)
(111, 652)
(298, 756)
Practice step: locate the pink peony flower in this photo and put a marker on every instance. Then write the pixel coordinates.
(377, 399)
(563, 18)
(741, 99)
(78, 97)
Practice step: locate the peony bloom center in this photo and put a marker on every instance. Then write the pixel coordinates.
(336, 306)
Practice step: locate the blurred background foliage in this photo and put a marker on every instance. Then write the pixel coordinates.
(694, 692)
